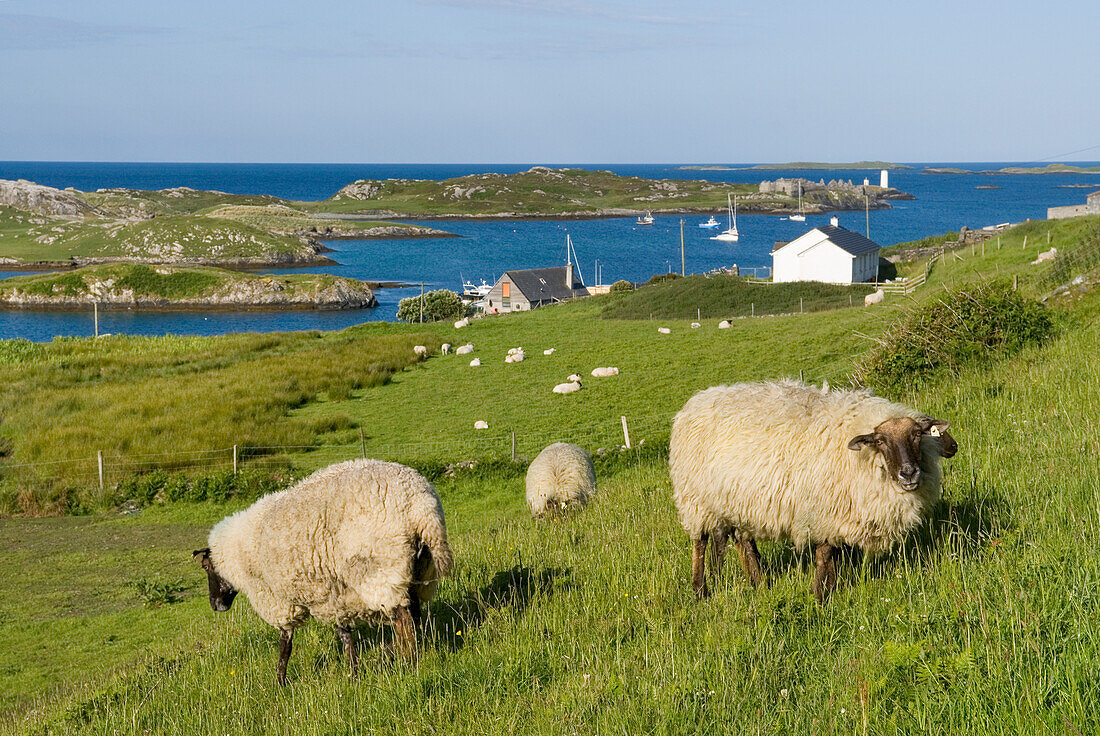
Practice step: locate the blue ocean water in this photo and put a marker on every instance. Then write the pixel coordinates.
(616, 246)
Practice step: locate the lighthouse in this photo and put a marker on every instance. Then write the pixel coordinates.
(884, 179)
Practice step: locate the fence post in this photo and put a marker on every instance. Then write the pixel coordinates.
(1015, 276)
(752, 308)
(800, 309)
(99, 459)
(513, 445)
(626, 433)
(362, 444)
(1024, 246)
(234, 459)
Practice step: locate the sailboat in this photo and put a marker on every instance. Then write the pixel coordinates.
(729, 234)
(709, 223)
(799, 217)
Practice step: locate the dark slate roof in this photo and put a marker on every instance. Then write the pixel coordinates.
(847, 240)
(545, 284)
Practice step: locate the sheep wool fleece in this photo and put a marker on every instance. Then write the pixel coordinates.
(561, 475)
(339, 546)
(771, 460)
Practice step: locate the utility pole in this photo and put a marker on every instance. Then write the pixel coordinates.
(683, 267)
(421, 302)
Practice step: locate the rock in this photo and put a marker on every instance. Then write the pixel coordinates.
(27, 195)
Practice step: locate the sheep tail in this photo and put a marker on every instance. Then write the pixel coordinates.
(433, 535)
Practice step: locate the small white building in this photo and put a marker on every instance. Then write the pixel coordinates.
(828, 253)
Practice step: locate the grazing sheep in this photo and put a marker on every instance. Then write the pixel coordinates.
(548, 351)
(875, 298)
(560, 477)
(464, 322)
(420, 350)
(605, 372)
(663, 330)
(445, 348)
(356, 542)
(789, 461)
(568, 388)
(695, 325)
(475, 362)
(481, 424)
(464, 349)
(723, 325)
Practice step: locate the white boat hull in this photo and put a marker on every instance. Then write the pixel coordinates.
(727, 236)
(797, 218)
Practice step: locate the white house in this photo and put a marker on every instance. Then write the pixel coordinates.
(828, 253)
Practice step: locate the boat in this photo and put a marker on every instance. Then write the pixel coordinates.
(475, 293)
(799, 217)
(709, 223)
(647, 220)
(730, 234)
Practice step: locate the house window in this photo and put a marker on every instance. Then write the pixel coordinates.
(507, 289)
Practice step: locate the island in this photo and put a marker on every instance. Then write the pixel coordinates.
(128, 285)
(541, 192)
(44, 227)
(818, 165)
(1048, 169)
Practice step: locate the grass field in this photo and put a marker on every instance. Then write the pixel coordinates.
(983, 623)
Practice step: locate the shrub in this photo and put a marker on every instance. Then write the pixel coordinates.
(620, 286)
(970, 326)
(660, 278)
(439, 306)
(156, 592)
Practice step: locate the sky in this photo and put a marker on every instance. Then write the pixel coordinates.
(549, 81)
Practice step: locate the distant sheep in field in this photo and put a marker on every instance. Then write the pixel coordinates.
(570, 387)
(560, 477)
(362, 541)
(420, 351)
(605, 372)
(475, 362)
(464, 349)
(663, 330)
(875, 298)
(445, 348)
(574, 377)
(723, 325)
(481, 424)
(548, 351)
(515, 355)
(787, 461)
(1047, 256)
(695, 325)
(464, 322)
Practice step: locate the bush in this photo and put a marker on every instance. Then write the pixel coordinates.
(660, 278)
(439, 306)
(971, 326)
(620, 286)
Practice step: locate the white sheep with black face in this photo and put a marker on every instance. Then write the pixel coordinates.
(787, 461)
(361, 541)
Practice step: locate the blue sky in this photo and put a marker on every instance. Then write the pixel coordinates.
(548, 81)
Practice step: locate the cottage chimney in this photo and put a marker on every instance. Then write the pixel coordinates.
(834, 221)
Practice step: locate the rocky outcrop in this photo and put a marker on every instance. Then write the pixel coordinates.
(26, 195)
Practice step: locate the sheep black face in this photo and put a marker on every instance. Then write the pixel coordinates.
(898, 441)
(221, 592)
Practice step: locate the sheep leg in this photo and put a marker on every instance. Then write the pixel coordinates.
(350, 650)
(698, 574)
(750, 559)
(404, 630)
(285, 638)
(414, 606)
(825, 578)
(718, 553)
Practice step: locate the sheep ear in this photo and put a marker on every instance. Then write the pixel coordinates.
(203, 553)
(934, 427)
(862, 440)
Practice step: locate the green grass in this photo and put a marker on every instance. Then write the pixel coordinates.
(722, 296)
(287, 220)
(983, 623)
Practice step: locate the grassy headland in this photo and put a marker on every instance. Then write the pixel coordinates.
(818, 165)
(543, 192)
(1048, 169)
(984, 622)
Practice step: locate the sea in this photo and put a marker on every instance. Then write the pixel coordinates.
(608, 249)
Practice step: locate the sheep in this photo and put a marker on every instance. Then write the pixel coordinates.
(481, 424)
(420, 351)
(445, 348)
(1047, 256)
(605, 372)
(787, 461)
(663, 330)
(695, 325)
(548, 351)
(560, 477)
(356, 542)
(515, 355)
(464, 322)
(475, 362)
(464, 349)
(876, 298)
(568, 388)
(574, 377)
(723, 325)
